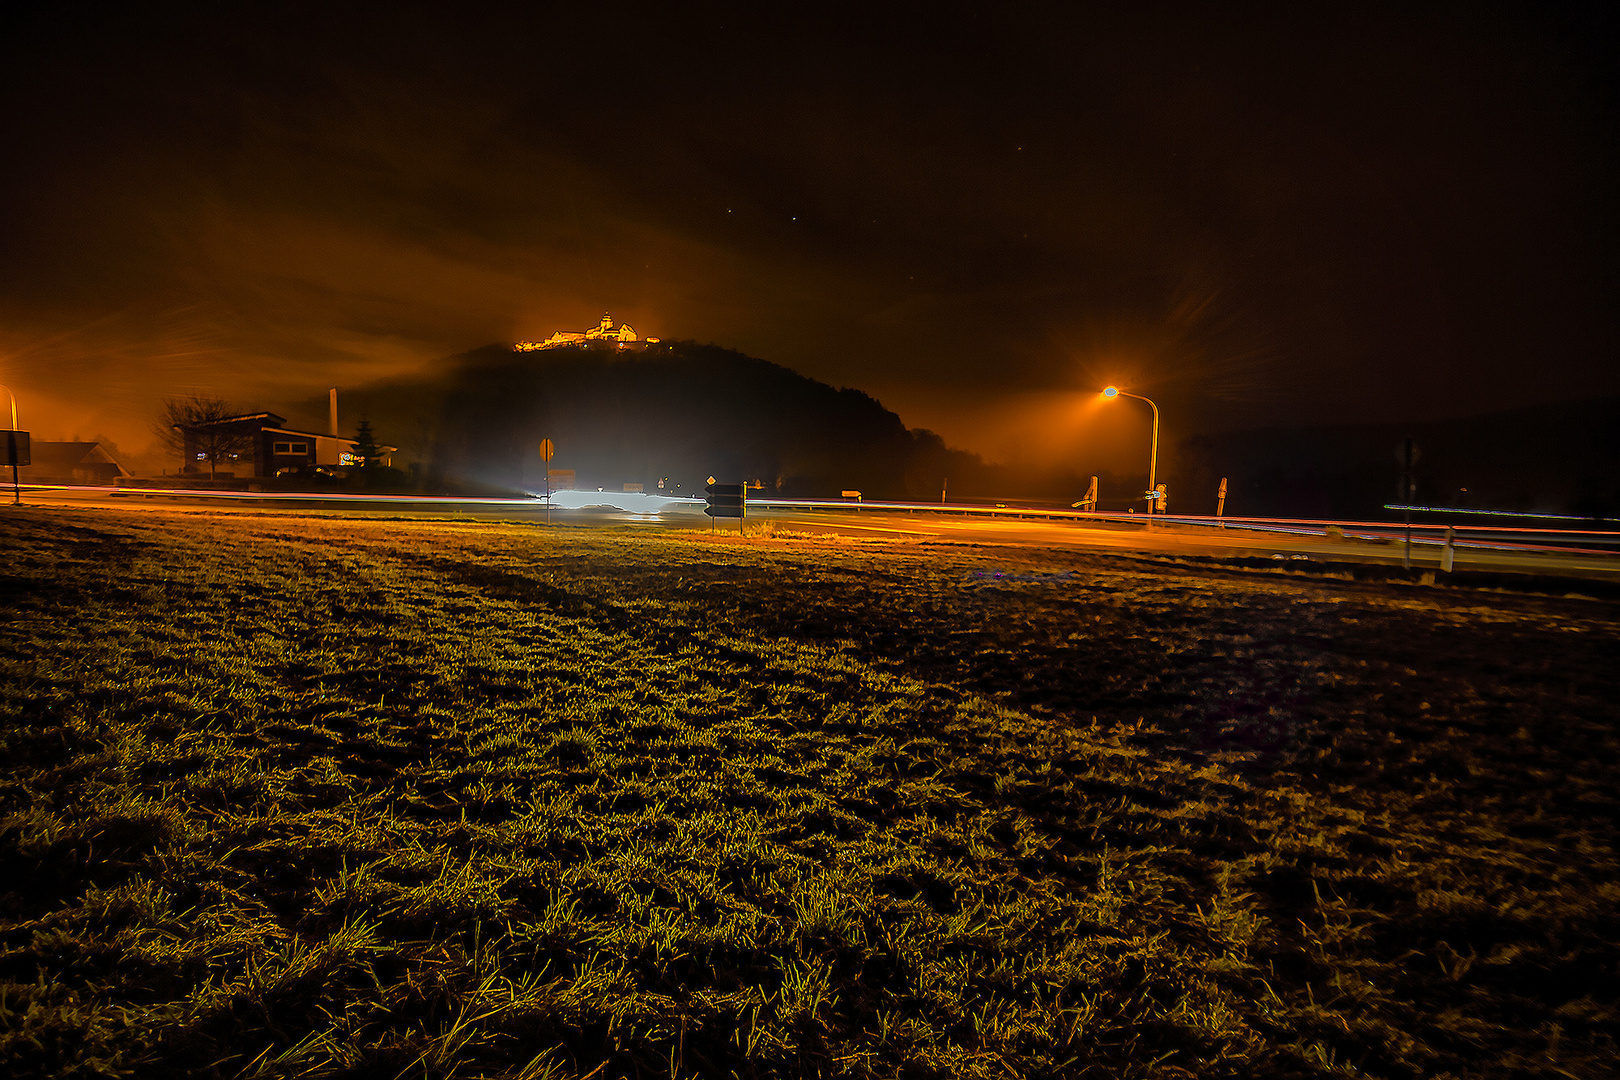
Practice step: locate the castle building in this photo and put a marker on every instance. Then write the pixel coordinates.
(604, 332)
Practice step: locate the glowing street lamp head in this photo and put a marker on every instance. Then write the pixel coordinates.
(1111, 391)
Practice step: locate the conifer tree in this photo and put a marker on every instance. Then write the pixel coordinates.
(366, 451)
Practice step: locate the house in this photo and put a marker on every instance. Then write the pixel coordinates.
(269, 444)
(70, 463)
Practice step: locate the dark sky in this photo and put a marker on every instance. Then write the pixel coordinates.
(980, 214)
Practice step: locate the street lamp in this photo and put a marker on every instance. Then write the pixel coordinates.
(1153, 455)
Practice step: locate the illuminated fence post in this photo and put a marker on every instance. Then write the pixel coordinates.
(1089, 503)
(1408, 458)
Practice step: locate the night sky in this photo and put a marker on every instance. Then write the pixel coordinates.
(979, 214)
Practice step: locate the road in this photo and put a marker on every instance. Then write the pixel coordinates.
(1538, 551)
(1234, 540)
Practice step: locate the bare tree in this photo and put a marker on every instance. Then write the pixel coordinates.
(199, 427)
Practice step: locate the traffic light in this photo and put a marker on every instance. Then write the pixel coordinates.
(726, 500)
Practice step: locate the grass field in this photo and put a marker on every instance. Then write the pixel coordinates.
(304, 796)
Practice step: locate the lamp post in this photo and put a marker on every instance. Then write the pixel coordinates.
(1153, 455)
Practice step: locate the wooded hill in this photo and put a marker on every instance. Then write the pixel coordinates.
(681, 412)
(673, 411)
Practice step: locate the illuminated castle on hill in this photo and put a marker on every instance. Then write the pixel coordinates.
(605, 332)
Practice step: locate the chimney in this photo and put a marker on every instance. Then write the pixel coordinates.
(331, 398)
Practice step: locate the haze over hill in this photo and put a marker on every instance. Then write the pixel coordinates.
(676, 412)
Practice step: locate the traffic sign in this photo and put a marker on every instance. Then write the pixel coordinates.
(726, 500)
(16, 448)
(17, 453)
(547, 451)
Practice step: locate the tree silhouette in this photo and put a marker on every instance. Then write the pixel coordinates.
(366, 451)
(201, 426)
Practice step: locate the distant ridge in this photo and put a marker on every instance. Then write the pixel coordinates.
(681, 411)
(673, 411)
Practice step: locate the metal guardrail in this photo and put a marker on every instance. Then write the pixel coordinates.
(1509, 537)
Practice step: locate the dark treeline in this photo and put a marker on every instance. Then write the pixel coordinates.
(1562, 459)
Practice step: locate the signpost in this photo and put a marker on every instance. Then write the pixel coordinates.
(1220, 500)
(547, 451)
(725, 500)
(17, 453)
(16, 449)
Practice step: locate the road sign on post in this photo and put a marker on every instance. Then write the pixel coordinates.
(726, 500)
(16, 448)
(547, 451)
(17, 453)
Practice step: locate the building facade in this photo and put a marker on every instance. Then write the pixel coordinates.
(271, 448)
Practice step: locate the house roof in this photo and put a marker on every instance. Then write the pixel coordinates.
(317, 435)
(271, 424)
(270, 416)
(63, 457)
